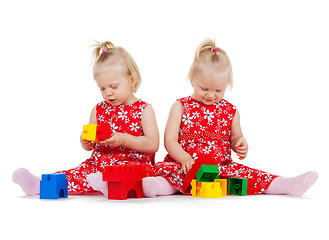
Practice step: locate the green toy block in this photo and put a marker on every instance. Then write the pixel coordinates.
(207, 173)
(237, 186)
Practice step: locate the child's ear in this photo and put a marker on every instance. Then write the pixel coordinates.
(132, 83)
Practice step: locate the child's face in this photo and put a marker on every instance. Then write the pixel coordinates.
(115, 86)
(209, 88)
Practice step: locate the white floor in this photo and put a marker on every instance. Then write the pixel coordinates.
(170, 217)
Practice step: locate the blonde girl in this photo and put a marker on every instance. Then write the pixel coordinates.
(135, 137)
(204, 124)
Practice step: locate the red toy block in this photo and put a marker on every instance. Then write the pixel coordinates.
(202, 160)
(103, 132)
(96, 133)
(125, 181)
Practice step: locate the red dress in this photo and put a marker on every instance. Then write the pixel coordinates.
(124, 119)
(205, 130)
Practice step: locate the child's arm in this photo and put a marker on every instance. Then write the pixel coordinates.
(87, 145)
(174, 149)
(149, 143)
(238, 142)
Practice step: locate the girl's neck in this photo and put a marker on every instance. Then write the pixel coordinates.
(131, 100)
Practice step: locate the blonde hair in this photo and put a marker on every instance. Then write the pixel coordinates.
(208, 54)
(104, 51)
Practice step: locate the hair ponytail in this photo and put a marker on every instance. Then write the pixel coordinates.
(208, 52)
(106, 51)
(101, 48)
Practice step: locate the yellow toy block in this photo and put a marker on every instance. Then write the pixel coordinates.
(195, 191)
(223, 186)
(89, 132)
(206, 189)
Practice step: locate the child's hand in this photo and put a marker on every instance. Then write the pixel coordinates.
(186, 165)
(87, 145)
(241, 148)
(116, 140)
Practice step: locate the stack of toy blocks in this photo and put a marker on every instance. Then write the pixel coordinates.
(53, 186)
(203, 181)
(206, 185)
(125, 181)
(194, 170)
(96, 133)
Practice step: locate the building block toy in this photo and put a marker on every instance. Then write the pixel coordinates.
(237, 186)
(89, 132)
(206, 189)
(193, 171)
(96, 133)
(223, 186)
(53, 186)
(207, 173)
(125, 181)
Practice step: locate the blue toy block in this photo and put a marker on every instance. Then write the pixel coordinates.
(53, 186)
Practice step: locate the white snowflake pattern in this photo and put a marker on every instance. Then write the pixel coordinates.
(268, 177)
(134, 127)
(206, 150)
(103, 105)
(122, 114)
(101, 118)
(177, 179)
(74, 172)
(113, 127)
(224, 122)
(195, 104)
(136, 115)
(72, 187)
(108, 110)
(187, 119)
(195, 156)
(212, 144)
(191, 143)
(104, 164)
(208, 115)
(196, 115)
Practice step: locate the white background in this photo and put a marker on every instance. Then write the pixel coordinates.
(279, 53)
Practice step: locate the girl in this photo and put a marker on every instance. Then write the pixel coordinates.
(208, 125)
(135, 136)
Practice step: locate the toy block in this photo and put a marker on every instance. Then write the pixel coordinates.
(125, 181)
(207, 173)
(237, 186)
(193, 171)
(96, 133)
(210, 190)
(53, 186)
(223, 186)
(195, 191)
(89, 132)
(104, 131)
(206, 189)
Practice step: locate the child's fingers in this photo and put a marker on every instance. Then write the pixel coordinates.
(242, 156)
(183, 170)
(239, 143)
(242, 151)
